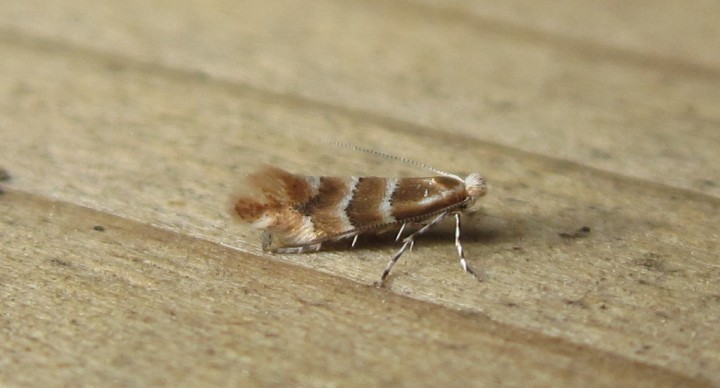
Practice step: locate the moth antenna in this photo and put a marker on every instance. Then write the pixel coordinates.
(392, 157)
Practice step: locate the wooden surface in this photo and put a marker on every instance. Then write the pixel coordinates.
(125, 127)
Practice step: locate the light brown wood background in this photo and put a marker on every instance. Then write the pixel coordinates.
(125, 127)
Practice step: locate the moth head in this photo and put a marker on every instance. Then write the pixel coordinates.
(475, 186)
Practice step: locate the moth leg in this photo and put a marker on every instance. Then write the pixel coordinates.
(408, 242)
(352, 245)
(394, 259)
(461, 251)
(300, 249)
(402, 228)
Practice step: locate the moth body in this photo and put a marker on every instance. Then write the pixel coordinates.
(299, 213)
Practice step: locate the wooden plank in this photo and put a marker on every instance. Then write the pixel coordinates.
(153, 113)
(93, 299)
(643, 114)
(679, 32)
(168, 148)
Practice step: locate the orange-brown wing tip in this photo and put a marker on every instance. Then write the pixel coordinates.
(247, 209)
(262, 189)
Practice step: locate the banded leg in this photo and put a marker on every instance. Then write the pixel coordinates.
(461, 251)
(408, 243)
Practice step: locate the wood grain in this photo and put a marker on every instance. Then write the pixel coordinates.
(109, 300)
(143, 121)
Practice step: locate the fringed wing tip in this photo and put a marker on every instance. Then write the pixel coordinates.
(263, 190)
(269, 203)
(277, 243)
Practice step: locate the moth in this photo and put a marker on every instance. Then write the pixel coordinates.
(300, 213)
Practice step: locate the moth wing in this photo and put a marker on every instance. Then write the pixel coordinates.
(272, 203)
(416, 199)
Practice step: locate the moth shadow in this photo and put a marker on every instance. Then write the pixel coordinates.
(441, 234)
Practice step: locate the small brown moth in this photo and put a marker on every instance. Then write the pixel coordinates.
(299, 213)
